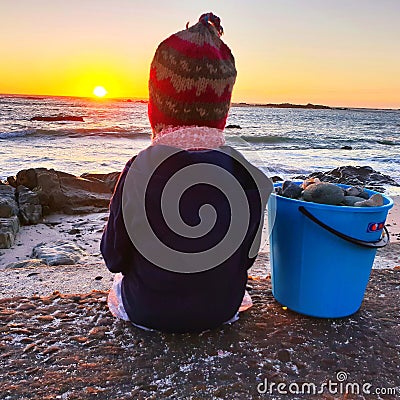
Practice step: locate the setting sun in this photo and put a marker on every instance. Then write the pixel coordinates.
(99, 91)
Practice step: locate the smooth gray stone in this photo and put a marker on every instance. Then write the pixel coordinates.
(351, 200)
(364, 194)
(324, 193)
(353, 191)
(291, 190)
(375, 200)
(60, 252)
(357, 191)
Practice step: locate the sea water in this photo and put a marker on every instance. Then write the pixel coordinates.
(285, 142)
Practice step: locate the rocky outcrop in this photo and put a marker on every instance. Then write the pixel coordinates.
(59, 191)
(58, 118)
(355, 176)
(36, 192)
(61, 252)
(11, 180)
(8, 205)
(233, 127)
(289, 105)
(110, 180)
(26, 177)
(9, 224)
(30, 209)
(9, 228)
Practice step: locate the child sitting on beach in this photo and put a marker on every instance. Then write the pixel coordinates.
(186, 215)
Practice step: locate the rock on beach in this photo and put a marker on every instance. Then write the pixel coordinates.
(9, 228)
(59, 191)
(8, 205)
(38, 192)
(232, 126)
(30, 209)
(31, 263)
(110, 179)
(354, 176)
(60, 252)
(58, 118)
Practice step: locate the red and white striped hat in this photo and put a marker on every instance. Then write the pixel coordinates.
(191, 78)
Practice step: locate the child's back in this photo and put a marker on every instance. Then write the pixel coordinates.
(186, 216)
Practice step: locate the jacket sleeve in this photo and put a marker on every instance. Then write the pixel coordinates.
(116, 246)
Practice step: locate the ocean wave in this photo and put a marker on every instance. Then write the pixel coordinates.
(370, 142)
(14, 134)
(268, 139)
(108, 132)
(388, 142)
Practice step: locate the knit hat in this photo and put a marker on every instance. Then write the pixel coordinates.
(191, 78)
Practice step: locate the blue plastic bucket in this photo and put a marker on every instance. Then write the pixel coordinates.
(322, 255)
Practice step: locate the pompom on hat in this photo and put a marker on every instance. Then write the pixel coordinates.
(191, 78)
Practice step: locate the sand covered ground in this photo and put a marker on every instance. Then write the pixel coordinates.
(67, 346)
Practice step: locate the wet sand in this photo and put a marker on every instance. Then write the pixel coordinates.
(69, 347)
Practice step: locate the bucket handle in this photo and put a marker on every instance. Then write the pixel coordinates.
(382, 242)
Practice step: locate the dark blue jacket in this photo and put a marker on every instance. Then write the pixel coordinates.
(157, 296)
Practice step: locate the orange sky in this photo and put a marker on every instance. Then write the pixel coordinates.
(342, 53)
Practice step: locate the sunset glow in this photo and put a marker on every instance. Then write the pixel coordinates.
(342, 53)
(99, 91)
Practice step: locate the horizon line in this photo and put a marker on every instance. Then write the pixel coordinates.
(233, 104)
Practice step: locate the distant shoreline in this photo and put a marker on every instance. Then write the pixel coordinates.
(290, 105)
(308, 106)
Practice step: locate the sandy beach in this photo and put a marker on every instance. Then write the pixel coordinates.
(68, 346)
(90, 272)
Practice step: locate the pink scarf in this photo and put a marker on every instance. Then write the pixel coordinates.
(190, 137)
